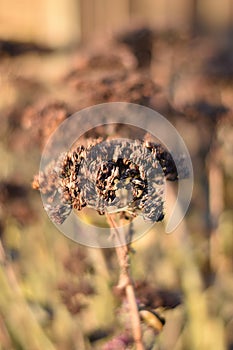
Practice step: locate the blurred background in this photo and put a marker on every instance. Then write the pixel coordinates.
(57, 57)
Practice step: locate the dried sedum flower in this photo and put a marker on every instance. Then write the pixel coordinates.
(42, 118)
(74, 295)
(117, 175)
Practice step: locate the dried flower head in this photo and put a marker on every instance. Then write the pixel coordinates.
(15, 201)
(74, 295)
(43, 118)
(113, 86)
(109, 176)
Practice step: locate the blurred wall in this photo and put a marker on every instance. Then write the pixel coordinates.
(98, 16)
(64, 22)
(216, 14)
(164, 14)
(49, 22)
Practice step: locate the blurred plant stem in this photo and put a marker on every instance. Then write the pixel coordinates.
(216, 204)
(19, 320)
(125, 282)
(201, 325)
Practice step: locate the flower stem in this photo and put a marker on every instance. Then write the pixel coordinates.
(126, 284)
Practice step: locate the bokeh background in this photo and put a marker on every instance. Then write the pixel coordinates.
(57, 57)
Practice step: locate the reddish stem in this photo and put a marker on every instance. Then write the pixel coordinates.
(126, 283)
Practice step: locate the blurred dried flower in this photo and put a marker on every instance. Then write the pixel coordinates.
(77, 262)
(153, 298)
(42, 119)
(202, 109)
(77, 286)
(14, 200)
(74, 294)
(219, 67)
(124, 86)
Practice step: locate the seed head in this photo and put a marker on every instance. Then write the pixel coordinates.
(117, 175)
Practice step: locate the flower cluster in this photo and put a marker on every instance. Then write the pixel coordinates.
(109, 176)
(77, 286)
